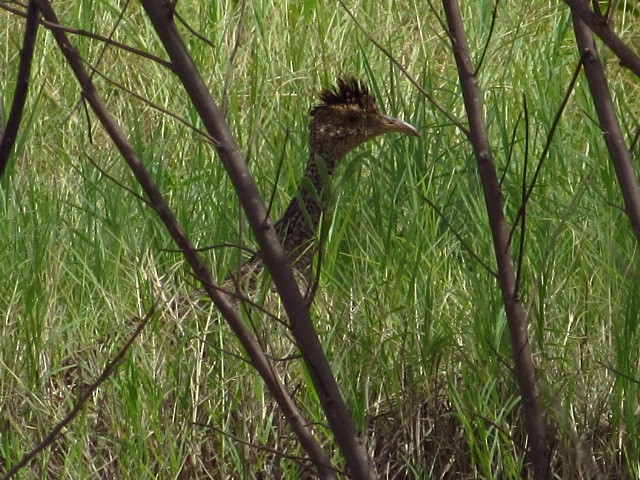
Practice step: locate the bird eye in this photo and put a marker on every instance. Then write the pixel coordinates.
(352, 117)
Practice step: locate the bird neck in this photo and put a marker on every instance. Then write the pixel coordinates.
(317, 176)
(298, 225)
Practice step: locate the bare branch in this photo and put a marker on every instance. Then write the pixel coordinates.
(119, 183)
(512, 145)
(547, 146)
(494, 16)
(7, 140)
(75, 31)
(406, 73)
(277, 453)
(457, 234)
(151, 104)
(534, 419)
(613, 137)
(111, 33)
(232, 58)
(335, 409)
(80, 403)
(599, 25)
(523, 223)
(555, 235)
(258, 358)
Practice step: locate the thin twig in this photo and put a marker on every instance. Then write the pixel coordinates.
(206, 137)
(457, 234)
(406, 73)
(278, 453)
(94, 36)
(634, 142)
(512, 145)
(555, 235)
(237, 296)
(494, 16)
(618, 372)
(278, 173)
(119, 183)
(547, 145)
(188, 26)
(82, 400)
(523, 217)
(214, 247)
(103, 50)
(232, 59)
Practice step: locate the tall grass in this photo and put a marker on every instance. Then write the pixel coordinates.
(412, 322)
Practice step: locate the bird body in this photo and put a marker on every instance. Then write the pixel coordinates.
(346, 117)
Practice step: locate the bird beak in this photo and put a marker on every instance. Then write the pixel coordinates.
(396, 125)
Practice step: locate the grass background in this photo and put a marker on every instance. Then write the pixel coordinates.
(412, 323)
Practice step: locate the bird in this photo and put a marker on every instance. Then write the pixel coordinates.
(346, 117)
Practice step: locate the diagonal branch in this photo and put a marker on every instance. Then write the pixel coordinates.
(547, 146)
(599, 25)
(613, 137)
(94, 36)
(82, 400)
(458, 235)
(406, 73)
(359, 463)
(258, 358)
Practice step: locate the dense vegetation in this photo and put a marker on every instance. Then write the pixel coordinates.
(411, 320)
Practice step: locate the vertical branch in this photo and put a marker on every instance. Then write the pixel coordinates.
(520, 347)
(613, 137)
(523, 217)
(7, 140)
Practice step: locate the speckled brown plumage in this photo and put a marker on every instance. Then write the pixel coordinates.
(346, 117)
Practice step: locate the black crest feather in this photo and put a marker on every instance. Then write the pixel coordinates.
(347, 91)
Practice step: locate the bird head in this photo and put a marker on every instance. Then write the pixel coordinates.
(347, 117)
